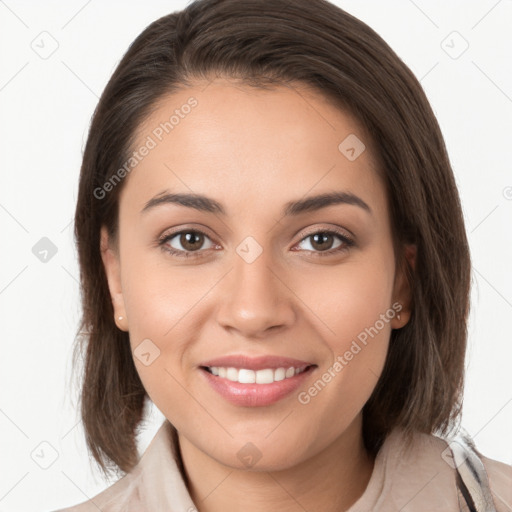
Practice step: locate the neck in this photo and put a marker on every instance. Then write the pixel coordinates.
(332, 480)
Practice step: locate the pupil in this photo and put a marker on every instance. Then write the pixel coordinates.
(319, 239)
(191, 239)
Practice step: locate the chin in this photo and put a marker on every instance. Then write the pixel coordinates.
(261, 452)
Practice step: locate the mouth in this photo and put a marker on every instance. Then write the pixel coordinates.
(255, 382)
(248, 376)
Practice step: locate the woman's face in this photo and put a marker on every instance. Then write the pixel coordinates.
(257, 285)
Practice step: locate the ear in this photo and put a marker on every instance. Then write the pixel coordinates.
(402, 291)
(111, 263)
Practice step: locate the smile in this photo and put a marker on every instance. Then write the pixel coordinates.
(255, 381)
(246, 376)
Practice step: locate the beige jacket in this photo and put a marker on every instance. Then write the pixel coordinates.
(422, 481)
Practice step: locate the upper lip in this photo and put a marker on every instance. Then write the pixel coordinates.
(256, 363)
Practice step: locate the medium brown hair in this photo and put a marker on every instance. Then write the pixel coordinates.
(315, 43)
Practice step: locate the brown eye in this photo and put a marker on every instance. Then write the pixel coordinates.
(185, 242)
(191, 240)
(322, 241)
(325, 242)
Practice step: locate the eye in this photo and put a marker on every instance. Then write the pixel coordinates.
(185, 243)
(324, 242)
(190, 240)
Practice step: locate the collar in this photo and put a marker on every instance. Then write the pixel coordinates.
(418, 480)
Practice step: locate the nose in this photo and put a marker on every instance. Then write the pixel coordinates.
(257, 298)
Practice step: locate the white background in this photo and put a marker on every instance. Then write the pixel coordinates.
(46, 106)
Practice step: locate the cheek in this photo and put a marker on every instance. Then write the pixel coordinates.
(355, 307)
(352, 299)
(164, 307)
(157, 295)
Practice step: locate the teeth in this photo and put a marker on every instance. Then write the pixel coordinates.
(266, 376)
(280, 374)
(232, 374)
(247, 376)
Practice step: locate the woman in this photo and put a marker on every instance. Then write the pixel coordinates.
(273, 252)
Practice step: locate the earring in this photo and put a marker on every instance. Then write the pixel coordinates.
(120, 318)
(398, 316)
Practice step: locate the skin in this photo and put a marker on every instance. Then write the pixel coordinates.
(253, 151)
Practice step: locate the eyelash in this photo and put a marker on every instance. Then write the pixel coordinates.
(347, 243)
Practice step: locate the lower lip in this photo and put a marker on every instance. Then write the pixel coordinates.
(255, 395)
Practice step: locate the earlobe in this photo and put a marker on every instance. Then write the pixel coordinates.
(112, 268)
(403, 291)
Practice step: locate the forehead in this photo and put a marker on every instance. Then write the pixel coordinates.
(238, 142)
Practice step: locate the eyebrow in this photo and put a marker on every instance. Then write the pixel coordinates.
(309, 204)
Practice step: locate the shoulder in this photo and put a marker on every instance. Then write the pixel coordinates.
(486, 479)
(113, 498)
(155, 483)
(500, 482)
(423, 476)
